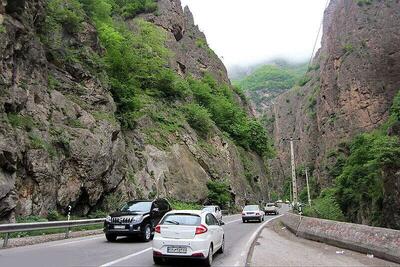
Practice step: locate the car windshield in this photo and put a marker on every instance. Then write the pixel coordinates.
(210, 209)
(143, 206)
(251, 208)
(181, 219)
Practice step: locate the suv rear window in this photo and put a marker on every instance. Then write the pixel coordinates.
(181, 219)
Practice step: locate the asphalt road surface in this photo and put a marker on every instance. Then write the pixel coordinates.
(96, 251)
(274, 247)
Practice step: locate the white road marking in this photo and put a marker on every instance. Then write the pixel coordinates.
(75, 241)
(144, 251)
(233, 221)
(126, 257)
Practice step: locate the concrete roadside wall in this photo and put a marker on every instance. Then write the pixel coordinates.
(381, 242)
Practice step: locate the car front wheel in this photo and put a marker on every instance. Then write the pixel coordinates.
(146, 235)
(111, 238)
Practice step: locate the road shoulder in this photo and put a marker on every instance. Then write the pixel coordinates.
(277, 246)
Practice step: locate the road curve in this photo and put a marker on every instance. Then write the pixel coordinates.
(96, 251)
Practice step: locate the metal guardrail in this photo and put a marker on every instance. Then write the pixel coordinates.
(27, 227)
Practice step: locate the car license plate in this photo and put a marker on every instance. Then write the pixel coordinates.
(119, 226)
(177, 250)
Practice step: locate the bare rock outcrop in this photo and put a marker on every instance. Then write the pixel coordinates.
(353, 81)
(61, 143)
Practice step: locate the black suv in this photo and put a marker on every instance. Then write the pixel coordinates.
(136, 218)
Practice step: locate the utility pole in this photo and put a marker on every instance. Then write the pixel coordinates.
(290, 193)
(308, 188)
(294, 181)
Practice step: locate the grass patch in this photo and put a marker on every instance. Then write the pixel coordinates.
(105, 116)
(25, 122)
(348, 48)
(364, 2)
(201, 43)
(209, 148)
(182, 205)
(304, 80)
(198, 118)
(74, 123)
(36, 142)
(52, 82)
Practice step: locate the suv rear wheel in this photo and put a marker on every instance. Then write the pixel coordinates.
(111, 237)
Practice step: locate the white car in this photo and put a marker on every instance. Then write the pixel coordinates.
(271, 208)
(190, 234)
(215, 210)
(252, 213)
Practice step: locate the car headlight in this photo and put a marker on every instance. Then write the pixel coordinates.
(137, 218)
(108, 219)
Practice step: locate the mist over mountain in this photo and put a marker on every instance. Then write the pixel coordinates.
(237, 72)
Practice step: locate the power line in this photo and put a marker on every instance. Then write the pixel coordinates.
(316, 39)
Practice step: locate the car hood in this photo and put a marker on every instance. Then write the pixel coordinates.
(127, 213)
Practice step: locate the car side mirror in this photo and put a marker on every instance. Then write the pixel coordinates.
(221, 223)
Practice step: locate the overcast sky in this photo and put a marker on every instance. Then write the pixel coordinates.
(243, 32)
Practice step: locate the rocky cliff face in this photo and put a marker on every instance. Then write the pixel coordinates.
(353, 81)
(61, 144)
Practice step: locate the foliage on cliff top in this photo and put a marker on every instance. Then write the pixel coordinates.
(272, 77)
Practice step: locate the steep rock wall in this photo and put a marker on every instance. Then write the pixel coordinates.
(354, 78)
(61, 144)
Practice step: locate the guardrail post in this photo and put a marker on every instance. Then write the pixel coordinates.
(67, 233)
(5, 242)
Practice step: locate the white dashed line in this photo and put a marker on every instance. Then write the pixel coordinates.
(126, 257)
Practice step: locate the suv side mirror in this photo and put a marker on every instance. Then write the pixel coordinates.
(221, 223)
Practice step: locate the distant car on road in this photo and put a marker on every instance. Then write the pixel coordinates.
(191, 234)
(271, 208)
(215, 210)
(136, 218)
(252, 213)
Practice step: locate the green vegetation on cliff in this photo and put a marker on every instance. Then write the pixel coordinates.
(136, 63)
(362, 176)
(283, 76)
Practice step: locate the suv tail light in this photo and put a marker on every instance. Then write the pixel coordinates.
(158, 229)
(201, 229)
